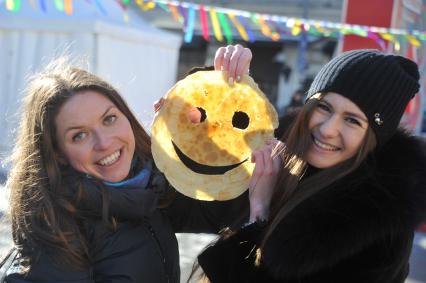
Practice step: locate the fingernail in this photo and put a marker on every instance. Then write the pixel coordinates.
(238, 78)
(231, 81)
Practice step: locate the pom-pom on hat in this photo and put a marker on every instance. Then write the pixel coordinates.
(381, 85)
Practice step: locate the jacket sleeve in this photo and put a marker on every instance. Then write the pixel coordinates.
(232, 257)
(44, 270)
(329, 227)
(194, 216)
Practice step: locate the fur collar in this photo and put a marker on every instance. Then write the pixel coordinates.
(401, 168)
(384, 198)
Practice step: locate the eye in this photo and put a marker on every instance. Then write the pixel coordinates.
(353, 121)
(240, 120)
(203, 114)
(323, 106)
(110, 119)
(78, 136)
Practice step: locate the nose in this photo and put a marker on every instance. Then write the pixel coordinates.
(102, 141)
(330, 128)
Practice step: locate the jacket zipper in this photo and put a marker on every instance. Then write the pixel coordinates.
(154, 235)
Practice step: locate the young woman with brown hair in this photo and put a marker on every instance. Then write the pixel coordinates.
(87, 203)
(350, 189)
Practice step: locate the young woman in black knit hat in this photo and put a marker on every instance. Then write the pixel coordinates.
(350, 187)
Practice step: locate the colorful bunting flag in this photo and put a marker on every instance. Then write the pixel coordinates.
(239, 27)
(182, 12)
(225, 26)
(43, 5)
(414, 41)
(244, 23)
(264, 28)
(175, 13)
(164, 7)
(59, 4)
(190, 25)
(204, 23)
(68, 7)
(10, 5)
(216, 26)
(100, 7)
(150, 5)
(271, 26)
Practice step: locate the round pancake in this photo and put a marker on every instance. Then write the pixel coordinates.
(210, 159)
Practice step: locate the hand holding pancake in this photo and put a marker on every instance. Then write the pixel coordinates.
(234, 60)
(262, 183)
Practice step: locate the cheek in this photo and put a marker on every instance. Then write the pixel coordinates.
(128, 135)
(78, 155)
(315, 119)
(354, 141)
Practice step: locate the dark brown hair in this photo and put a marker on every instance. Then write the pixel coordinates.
(44, 213)
(292, 187)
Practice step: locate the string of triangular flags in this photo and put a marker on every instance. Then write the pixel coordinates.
(226, 24)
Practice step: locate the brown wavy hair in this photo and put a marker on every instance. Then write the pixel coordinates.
(44, 213)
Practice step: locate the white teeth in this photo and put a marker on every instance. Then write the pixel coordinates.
(110, 159)
(325, 146)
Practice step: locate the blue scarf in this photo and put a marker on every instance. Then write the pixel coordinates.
(139, 181)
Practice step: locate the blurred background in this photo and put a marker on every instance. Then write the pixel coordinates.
(144, 47)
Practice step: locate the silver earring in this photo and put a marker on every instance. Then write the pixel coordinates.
(377, 119)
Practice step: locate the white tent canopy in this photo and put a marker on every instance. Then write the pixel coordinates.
(138, 59)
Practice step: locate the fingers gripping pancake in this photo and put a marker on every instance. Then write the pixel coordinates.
(204, 134)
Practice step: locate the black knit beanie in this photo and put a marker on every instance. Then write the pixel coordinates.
(380, 85)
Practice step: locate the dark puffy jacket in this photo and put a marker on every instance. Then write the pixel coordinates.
(143, 248)
(356, 230)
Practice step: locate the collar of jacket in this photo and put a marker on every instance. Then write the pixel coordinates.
(123, 202)
(399, 166)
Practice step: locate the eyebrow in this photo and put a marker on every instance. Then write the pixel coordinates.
(78, 127)
(346, 112)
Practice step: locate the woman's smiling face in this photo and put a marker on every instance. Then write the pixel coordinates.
(95, 137)
(338, 128)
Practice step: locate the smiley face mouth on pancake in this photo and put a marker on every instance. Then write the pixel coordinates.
(201, 168)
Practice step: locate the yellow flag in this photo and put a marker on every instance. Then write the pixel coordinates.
(215, 23)
(10, 4)
(239, 27)
(414, 41)
(387, 36)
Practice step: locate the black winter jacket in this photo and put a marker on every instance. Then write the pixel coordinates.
(144, 247)
(358, 229)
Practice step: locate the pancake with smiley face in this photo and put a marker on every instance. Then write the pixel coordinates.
(204, 134)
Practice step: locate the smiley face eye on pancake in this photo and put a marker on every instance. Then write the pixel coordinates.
(203, 114)
(203, 136)
(240, 120)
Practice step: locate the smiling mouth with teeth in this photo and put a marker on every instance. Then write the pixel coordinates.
(325, 146)
(201, 168)
(110, 159)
